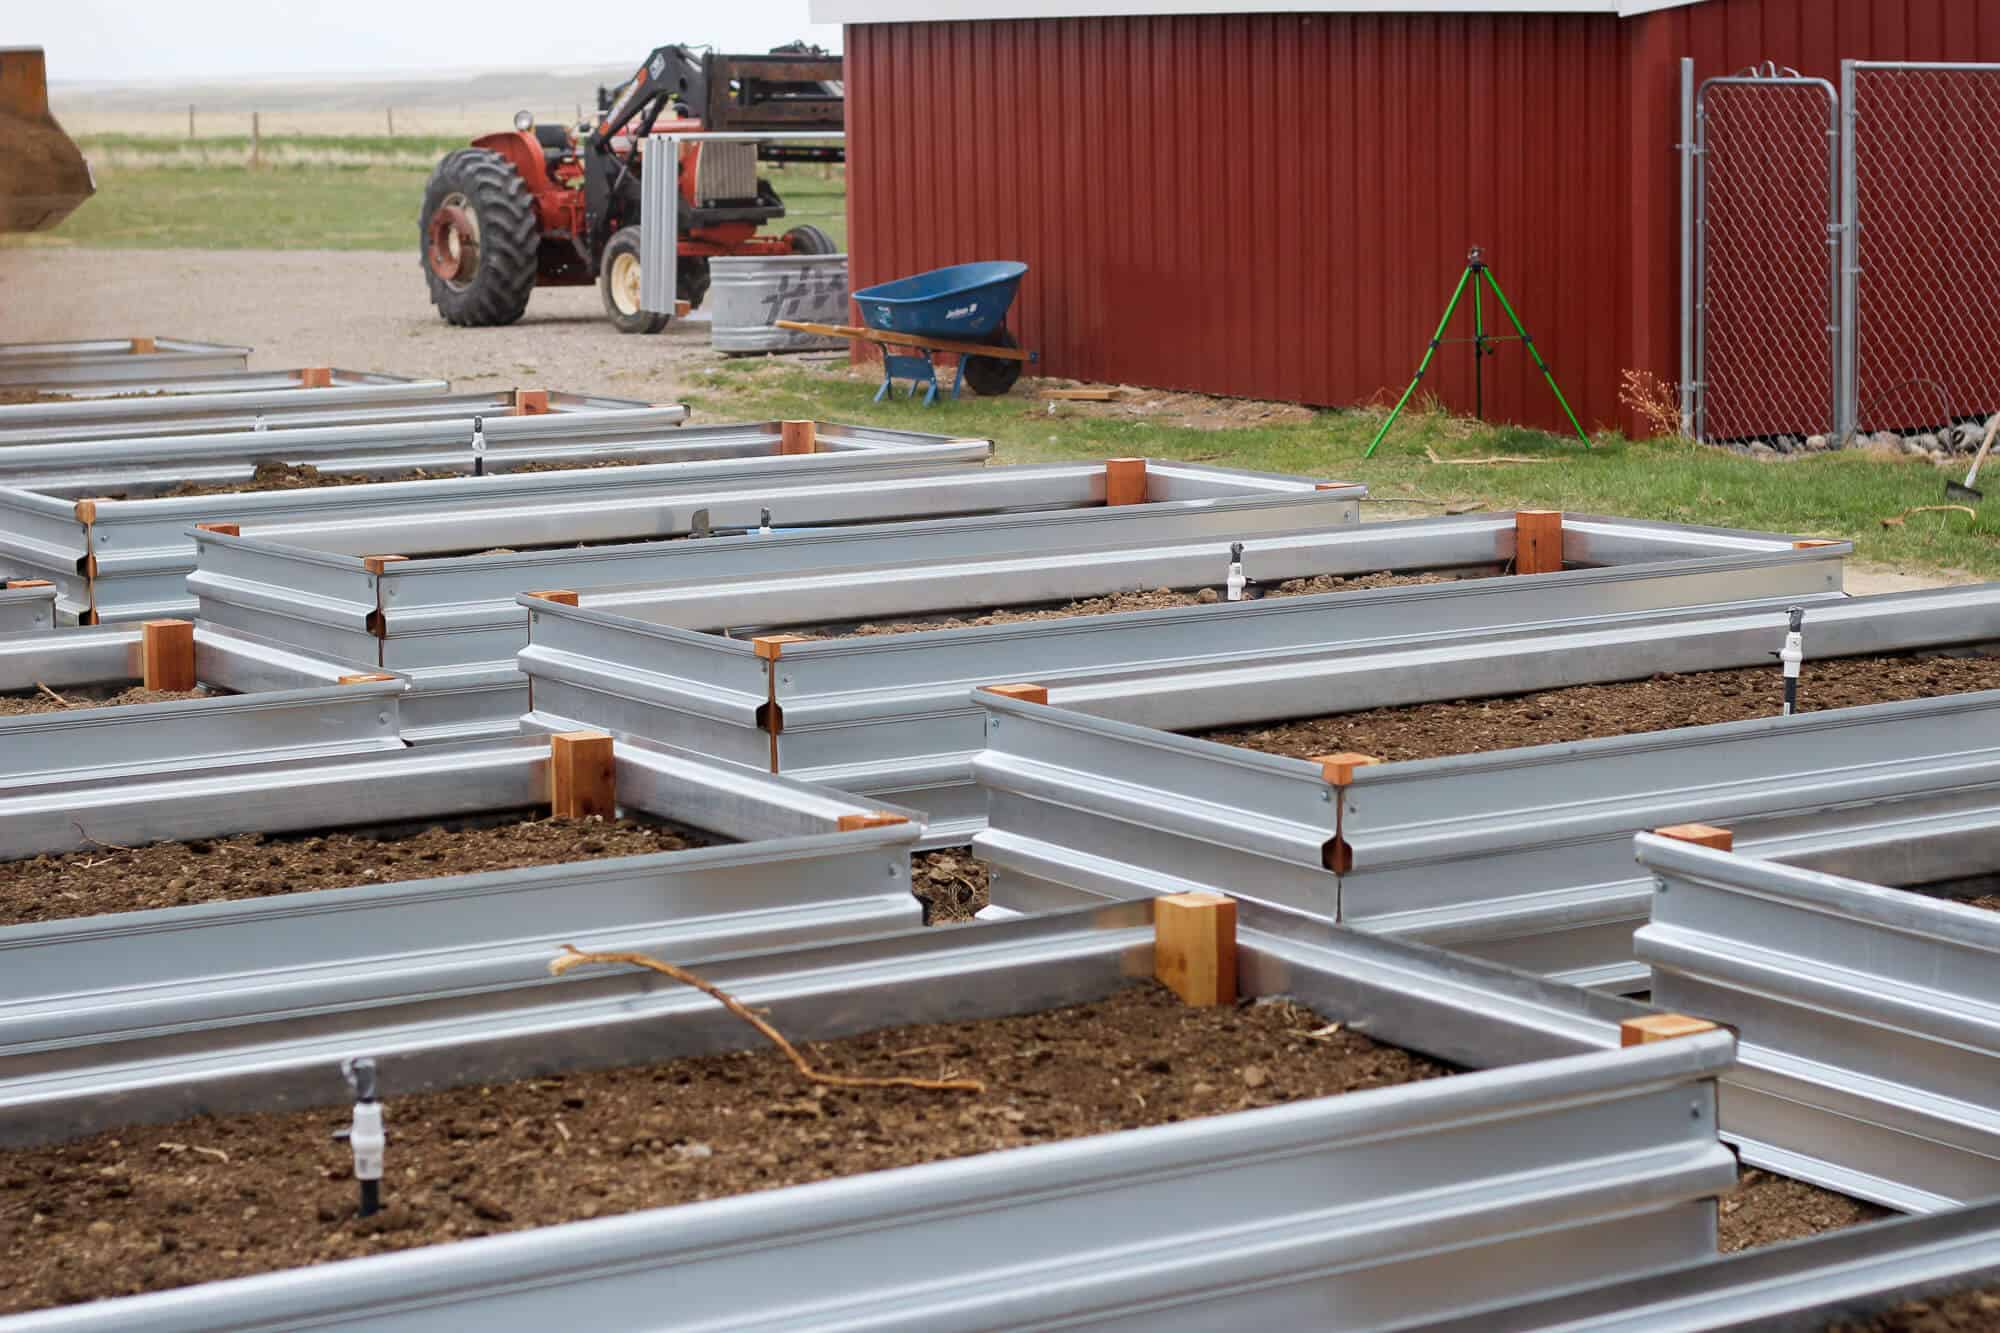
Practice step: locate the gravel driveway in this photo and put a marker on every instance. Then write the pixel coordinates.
(360, 310)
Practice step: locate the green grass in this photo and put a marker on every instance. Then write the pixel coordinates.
(1842, 495)
(297, 203)
(151, 145)
(228, 208)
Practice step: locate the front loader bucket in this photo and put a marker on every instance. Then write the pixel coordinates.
(42, 174)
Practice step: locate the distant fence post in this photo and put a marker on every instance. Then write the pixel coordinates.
(392, 122)
(190, 120)
(256, 142)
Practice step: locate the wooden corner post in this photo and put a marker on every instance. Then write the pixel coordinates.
(1701, 835)
(1194, 947)
(582, 775)
(166, 654)
(1538, 541)
(1124, 481)
(797, 437)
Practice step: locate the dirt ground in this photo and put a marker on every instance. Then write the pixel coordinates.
(1155, 599)
(165, 1206)
(379, 319)
(76, 698)
(1473, 726)
(1974, 1311)
(1765, 1209)
(950, 883)
(108, 878)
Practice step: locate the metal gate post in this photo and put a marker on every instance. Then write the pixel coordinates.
(1687, 150)
(1846, 415)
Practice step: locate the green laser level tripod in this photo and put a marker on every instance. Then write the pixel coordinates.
(1475, 270)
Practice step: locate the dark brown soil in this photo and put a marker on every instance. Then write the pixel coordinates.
(77, 698)
(950, 883)
(1472, 726)
(160, 1207)
(1973, 1311)
(1765, 1208)
(306, 477)
(1155, 600)
(108, 879)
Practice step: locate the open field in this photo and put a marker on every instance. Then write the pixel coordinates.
(316, 192)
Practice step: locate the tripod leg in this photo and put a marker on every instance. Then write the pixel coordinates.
(1529, 343)
(1422, 366)
(1478, 352)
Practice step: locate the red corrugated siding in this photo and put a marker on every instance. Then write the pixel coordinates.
(1278, 205)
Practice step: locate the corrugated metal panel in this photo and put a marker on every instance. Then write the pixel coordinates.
(1278, 205)
(1264, 205)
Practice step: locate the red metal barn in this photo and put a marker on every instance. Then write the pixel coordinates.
(1278, 204)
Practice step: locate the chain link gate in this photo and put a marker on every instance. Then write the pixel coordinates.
(1766, 356)
(1921, 302)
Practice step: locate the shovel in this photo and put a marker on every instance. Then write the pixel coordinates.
(1966, 493)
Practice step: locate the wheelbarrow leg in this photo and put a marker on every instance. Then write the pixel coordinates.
(957, 377)
(887, 385)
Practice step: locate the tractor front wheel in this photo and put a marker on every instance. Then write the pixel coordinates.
(992, 376)
(477, 239)
(810, 240)
(618, 280)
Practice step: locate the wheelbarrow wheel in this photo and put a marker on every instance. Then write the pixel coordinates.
(992, 376)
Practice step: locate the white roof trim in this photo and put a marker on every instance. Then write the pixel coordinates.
(925, 11)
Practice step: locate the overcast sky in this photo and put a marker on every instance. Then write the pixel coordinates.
(199, 39)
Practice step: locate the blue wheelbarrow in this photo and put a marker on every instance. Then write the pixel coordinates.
(959, 310)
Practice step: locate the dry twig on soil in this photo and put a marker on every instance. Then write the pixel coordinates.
(81, 832)
(575, 957)
(1896, 520)
(53, 695)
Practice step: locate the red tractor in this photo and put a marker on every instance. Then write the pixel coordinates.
(558, 206)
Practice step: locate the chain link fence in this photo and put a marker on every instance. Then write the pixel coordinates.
(1766, 263)
(1846, 258)
(1922, 312)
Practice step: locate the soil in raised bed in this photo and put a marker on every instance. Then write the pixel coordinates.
(1155, 599)
(146, 1209)
(1975, 1310)
(10, 396)
(1580, 712)
(106, 878)
(950, 883)
(306, 477)
(1765, 1208)
(77, 698)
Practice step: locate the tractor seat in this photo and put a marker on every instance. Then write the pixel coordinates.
(552, 136)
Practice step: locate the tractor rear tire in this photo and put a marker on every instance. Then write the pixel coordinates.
(477, 239)
(618, 283)
(992, 376)
(810, 240)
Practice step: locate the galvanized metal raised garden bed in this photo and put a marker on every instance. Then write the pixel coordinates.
(1520, 856)
(277, 705)
(892, 714)
(1869, 1013)
(1570, 1158)
(443, 609)
(129, 559)
(146, 1001)
(1841, 1279)
(363, 402)
(27, 605)
(58, 365)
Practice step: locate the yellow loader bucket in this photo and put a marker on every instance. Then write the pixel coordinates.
(42, 175)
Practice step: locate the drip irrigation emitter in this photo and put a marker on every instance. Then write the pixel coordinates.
(365, 1134)
(479, 446)
(1792, 656)
(763, 522)
(1236, 579)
